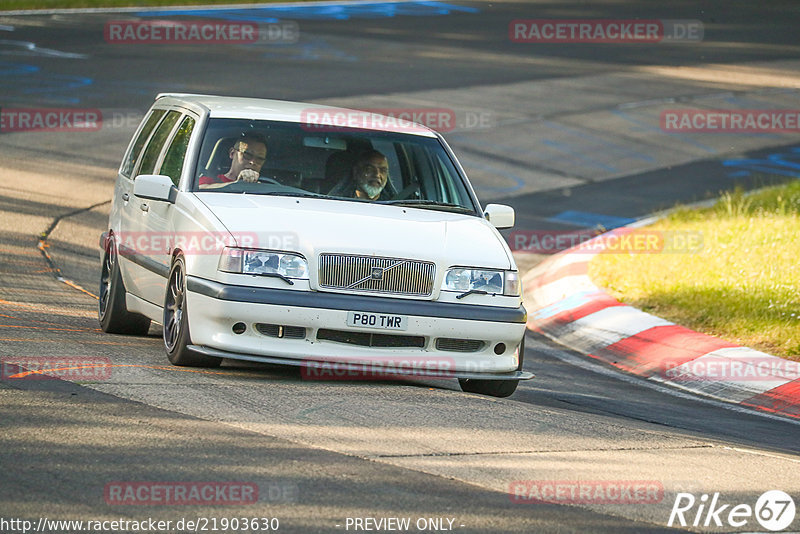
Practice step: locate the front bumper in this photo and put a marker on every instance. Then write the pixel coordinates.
(213, 309)
(361, 369)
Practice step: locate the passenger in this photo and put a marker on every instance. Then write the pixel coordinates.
(368, 178)
(247, 156)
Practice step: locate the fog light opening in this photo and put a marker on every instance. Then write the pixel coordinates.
(239, 328)
(500, 348)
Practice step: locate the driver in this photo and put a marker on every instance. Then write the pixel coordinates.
(368, 179)
(247, 155)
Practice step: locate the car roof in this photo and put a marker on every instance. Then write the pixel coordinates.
(230, 107)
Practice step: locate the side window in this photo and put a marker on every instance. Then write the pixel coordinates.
(173, 160)
(136, 149)
(150, 157)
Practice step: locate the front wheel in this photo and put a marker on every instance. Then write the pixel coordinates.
(113, 314)
(176, 322)
(493, 388)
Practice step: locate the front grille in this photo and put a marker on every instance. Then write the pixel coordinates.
(367, 339)
(277, 330)
(382, 275)
(459, 345)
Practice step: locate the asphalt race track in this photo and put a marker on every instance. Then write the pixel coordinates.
(569, 134)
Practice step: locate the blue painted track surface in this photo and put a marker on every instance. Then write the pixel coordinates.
(344, 11)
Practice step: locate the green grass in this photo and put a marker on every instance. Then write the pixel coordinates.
(744, 286)
(9, 5)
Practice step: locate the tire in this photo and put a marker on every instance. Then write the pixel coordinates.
(494, 388)
(176, 322)
(113, 314)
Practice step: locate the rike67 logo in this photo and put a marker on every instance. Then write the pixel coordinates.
(774, 511)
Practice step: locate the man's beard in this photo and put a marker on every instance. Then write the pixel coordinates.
(372, 191)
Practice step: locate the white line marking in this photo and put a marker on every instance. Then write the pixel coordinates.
(760, 453)
(32, 49)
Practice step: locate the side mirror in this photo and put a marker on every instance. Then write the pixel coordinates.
(155, 187)
(499, 215)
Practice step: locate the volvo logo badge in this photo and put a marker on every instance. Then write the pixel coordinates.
(376, 273)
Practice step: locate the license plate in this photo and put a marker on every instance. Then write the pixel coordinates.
(380, 321)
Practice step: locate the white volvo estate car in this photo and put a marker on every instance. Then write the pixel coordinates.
(287, 233)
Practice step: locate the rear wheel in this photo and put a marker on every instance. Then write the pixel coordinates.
(176, 322)
(494, 388)
(112, 312)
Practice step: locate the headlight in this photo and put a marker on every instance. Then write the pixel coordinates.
(262, 262)
(493, 282)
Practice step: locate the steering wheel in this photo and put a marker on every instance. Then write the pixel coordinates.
(265, 180)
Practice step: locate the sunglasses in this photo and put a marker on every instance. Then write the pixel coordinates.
(249, 156)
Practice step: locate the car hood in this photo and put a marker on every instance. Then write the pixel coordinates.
(313, 226)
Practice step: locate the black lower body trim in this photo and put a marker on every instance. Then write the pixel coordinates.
(356, 367)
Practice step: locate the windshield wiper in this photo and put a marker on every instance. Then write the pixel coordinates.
(472, 292)
(429, 204)
(278, 275)
(291, 194)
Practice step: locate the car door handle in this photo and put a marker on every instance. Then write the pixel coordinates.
(125, 196)
(144, 207)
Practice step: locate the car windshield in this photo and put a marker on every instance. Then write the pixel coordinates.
(292, 159)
